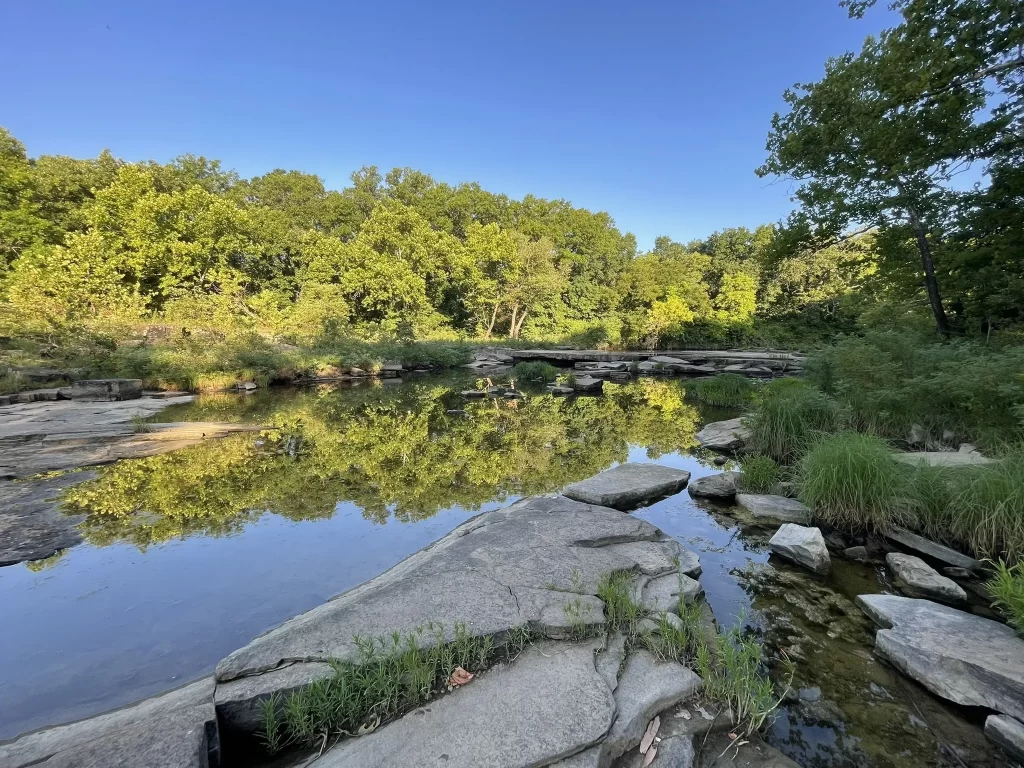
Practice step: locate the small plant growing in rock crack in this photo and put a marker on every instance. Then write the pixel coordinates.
(140, 425)
(390, 676)
(621, 612)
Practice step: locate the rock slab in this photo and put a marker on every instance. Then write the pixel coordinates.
(728, 436)
(628, 486)
(961, 657)
(932, 549)
(915, 578)
(803, 546)
(723, 485)
(774, 507)
(106, 389)
(1007, 733)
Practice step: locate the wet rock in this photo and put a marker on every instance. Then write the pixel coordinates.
(106, 389)
(857, 554)
(1007, 733)
(675, 752)
(719, 461)
(664, 593)
(649, 367)
(557, 390)
(717, 752)
(174, 730)
(958, 573)
(915, 578)
(803, 546)
(723, 486)
(32, 525)
(694, 369)
(522, 565)
(473, 393)
(728, 436)
(956, 655)
(628, 486)
(587, 384)
(774, 507)
(932, 549)
(549, 704)
(942, 458)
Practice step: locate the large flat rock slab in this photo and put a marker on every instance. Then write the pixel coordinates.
(518, 566)
(174, 730)
(780, 508)
(943, 458)
(549, 704)
(727, 436)
(961, 657)
(628, 486)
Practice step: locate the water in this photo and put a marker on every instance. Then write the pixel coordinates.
(190, 555)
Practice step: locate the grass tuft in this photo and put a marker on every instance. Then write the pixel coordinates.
(727, 390)
(760, 473)
(789, 418)
(535, 370)
(987, 507)
(1006, 589)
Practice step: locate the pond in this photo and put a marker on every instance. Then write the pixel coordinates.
(189, 555)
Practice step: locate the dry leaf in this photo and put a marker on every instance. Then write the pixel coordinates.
(649, 758)
(459, 677)
(649, 734)
(369, 727)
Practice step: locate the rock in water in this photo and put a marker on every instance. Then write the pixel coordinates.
(587, 384)
(665, 592)
(728, 436)
(721, 486)
(915, 578)
(628, 486)
(775, 507)
(932, 549)
(956, 655)
(803, 546)
(1008, 734)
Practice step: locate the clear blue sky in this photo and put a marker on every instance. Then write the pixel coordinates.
(656, 112)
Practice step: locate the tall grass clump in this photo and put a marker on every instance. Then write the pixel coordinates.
(760, 473)
(726, 390)
(621, 611)
(535, 370)
(1006, 589)
(987, 507)
(852, 481)
(788, 419)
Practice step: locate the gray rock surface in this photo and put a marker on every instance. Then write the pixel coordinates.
(1008, 734)
(489, 724)
(932, 549)
(587, 384)
(803, 546)
(32, 526)
(915, 578)
(517, 566)
(728, 436)
(628, 486)
(942, 458)
(663, 593)
(723, 485)
(859, 553)
(716, 753)
(774, 507)
(956, 655)
(106, 389)
(174, 730)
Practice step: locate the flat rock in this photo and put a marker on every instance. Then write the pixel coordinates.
(628, 486)
(728, 436)
(587, 384)
(956, 655)
(774, 507)
(942, 458)
(174, 730)
(521, 565)
(694, 369)
(551, 703)
(932, 549)
(858, 553)
(32, 525)
(915, 578)
(106, 389)
(803, 546)
(723, 485)
(1007, 733)
(664, 592)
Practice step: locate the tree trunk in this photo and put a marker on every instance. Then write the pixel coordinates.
(941, 321)
(494, 317)
(512, 325)
(519, 328)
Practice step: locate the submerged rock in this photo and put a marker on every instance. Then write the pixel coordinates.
(32, 524)
(915, 578)
(728, 436)
(956, 655)
(774, 507)
(803, 546)
(1007, 733)
(628, 486)
(932, 549)
(858, 554)
(723, 486)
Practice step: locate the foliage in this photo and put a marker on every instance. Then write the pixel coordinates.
(760, 474)
(1006, 588)
(788, 418)
(727, 390)
(986, 510)
(535, 370)
(621, 611)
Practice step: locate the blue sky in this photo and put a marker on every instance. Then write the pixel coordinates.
(656, 112)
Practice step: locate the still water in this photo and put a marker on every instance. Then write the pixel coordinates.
(189, 555)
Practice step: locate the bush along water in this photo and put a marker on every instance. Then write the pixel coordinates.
(728, 390)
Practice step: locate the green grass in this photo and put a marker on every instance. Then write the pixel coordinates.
(727, 390)
(852, 481)
(1006, 589)
(760, 473)
(140, 425)
(621, 612)
(535, 370)
(789, 418)
(987, 508)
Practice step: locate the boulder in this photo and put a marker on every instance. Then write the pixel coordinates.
(649, 367)
(915, 578)
(942, 458)
(664, 593)
(803, 546)
(723, 486)
(774, 507)
(694, 370)
(728, 436)
(961, 657)
(106, 389)
(392, 366)
(859, 554)
(587, 384)
(628, 486)
(1008, 734)
(558, 390)
(932, 549)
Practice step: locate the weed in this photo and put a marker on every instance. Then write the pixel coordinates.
(1006, 589)
(789, 418)
(578, 627)
(535, 370)
(621, 612)
(760, 473)
(725, 390)
(140, 425)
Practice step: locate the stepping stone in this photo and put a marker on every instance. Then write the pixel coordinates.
(803, 546)
(728, 436)
(932, 549)
(915, 578)
(106, 389)
(628, 486)
(723, 485)
(774, 507)
(961, 657)
(1007, 733)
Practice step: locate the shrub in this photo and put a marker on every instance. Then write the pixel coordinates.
(788, 418)
(852, 481)
(725, 390)
(535, 370)
(1006, 589)
(760, 474)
